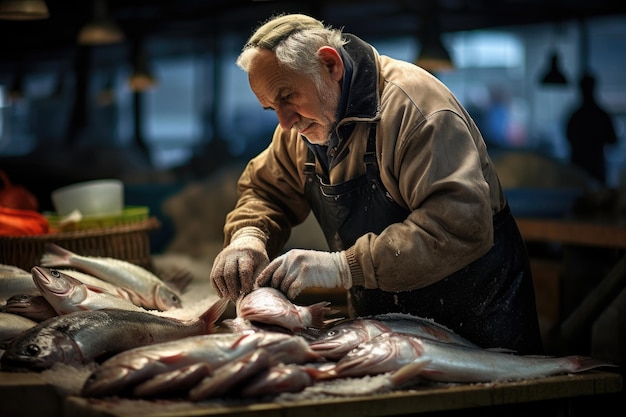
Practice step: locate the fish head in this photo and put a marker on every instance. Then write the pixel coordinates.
(340, 339)
(53, 283)
(35, 307)
(384, 353)
(38, 349)
(166, 299)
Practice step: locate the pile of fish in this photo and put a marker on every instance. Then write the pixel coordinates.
(80, 310)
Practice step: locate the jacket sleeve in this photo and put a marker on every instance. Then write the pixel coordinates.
(434, 165)
(270, 192)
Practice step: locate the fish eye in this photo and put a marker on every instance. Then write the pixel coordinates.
(32, 350)
(175, 298)
(55, 273)
(332, 333)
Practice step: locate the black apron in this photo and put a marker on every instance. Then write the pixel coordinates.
(490, 301)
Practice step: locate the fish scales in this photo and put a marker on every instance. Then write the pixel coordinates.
(67, 294)
(446, 362)
(145, 288)
(343, 336)
(83, 336)
(155, 368)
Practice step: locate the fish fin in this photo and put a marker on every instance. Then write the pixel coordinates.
(214, 312)
(319, 311)
(55, 255)
(408, 372)
(585, 363)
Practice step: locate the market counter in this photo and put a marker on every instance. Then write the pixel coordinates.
(29, 394)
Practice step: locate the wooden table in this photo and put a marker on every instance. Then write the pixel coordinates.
(582, 233)
(29, 395)
(418, 400)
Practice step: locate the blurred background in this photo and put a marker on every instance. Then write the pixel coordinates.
(69, 111)
(147, 91)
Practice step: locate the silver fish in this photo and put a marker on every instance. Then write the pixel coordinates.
(14, 281)
(11, 326)
(85, 336)
(67, 294)
(343, 336)
(34, 307)
(269, 306)
(145, 288)
(446, 362)
(225, 378)
(89, 279)
(183, 363)
(277, 379)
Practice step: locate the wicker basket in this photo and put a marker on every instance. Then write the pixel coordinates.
(130, 242)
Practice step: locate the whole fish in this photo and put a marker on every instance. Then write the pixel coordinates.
(85, 336)
(34, 307)
(145, 288)
(14, 281)
(67, 294)
(269, 306)
(446, 362)
(181, 364)
(11, 326)
(342, 337)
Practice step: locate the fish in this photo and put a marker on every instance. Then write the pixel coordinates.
(181, 364)
(277, 379)
(66, 294)
(445, 362)
(15, 280)
(89, 279)
(83, 337)
(223, 381)
(11, 326)
(34, 307)
(343, 336)
(269, 306)
(145, 288)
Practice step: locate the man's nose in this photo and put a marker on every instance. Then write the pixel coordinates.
(287, 118)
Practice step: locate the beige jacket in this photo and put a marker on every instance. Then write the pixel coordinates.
(432, 160)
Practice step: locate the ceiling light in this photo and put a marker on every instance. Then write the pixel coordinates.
(141, 79)
(433, 55)
(23, 10)
(101, 30)
(554, 75)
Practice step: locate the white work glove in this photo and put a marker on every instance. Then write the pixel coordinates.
(298, 269)
(237, 265)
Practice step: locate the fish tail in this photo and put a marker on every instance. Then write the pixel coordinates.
(319, 311)
(214, 312)
(585, 363)
(55, 255)
(408, 372)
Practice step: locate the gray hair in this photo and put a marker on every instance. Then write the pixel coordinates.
(295, 40)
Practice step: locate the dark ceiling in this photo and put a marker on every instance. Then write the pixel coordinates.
(28, 41)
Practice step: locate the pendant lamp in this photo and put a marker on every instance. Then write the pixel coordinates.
(554, 75)
(23, 10)
(101, 30)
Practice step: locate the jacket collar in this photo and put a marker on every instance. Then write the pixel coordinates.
(362, 94)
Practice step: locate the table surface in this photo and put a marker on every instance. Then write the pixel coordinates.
(419, 399)
(576, 232)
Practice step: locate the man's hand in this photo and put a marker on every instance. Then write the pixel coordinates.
(299, 269)
(237, 265)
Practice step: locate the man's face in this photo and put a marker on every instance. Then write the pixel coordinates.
(295, 98)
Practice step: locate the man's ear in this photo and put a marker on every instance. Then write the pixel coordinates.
(332, 60)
